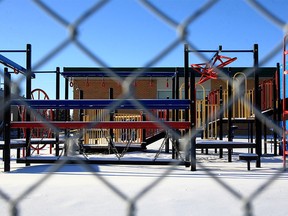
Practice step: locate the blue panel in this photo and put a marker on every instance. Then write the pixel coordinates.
(105, 104)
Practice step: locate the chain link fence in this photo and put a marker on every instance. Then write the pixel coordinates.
(74, 30)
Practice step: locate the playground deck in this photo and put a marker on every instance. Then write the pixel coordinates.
(221, 144)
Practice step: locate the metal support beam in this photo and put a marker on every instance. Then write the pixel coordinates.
(28, 96)
(258, 124)
(57, 111)
(193, 122)
(7, 119)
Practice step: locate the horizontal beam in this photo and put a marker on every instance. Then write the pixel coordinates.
(42, 159)
(103, 125)
(120, 74)
(104, 104)
(223, 51)
(12, 51)
(238, 51)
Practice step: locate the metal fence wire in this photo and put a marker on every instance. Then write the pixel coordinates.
(181, 28)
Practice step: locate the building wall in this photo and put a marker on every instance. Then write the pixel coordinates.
(94, 88)
(99, 89)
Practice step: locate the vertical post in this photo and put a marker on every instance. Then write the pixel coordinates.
(177, 114)
(28, 97)
(174, 111)
(7, 119)
(284, 107)
(192, 121)
(206, 129)
(143, 131)
(67, 116)
(277, 108)
(111, 119)
(186, 77)
(221, 113)
(81, 111)
(173, 88)
(186, 96)
(167, 140)
(66, 98)
(265, 135)
(81, 115)
(67, 111)
(221, 119)
(258, 124)
(57, 111)
(230, 138)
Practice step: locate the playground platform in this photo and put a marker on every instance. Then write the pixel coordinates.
(92, 148)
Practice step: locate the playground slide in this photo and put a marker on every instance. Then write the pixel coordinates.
(154, 138)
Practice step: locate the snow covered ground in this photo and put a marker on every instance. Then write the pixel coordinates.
(216, 188)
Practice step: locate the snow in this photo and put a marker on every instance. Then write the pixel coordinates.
(216, 188)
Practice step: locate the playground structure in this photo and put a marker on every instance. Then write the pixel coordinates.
(90, 104)
(99, 137)
(38, 115)
(209, 107)
(143, 137)
(100, 123)
(7, 95)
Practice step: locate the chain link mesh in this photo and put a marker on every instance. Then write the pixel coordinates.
(72, 37)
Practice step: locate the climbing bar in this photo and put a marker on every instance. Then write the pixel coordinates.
(13, 65)
(9, 63)
(104, 104)
(103, 124)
